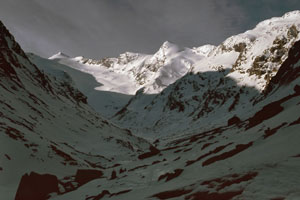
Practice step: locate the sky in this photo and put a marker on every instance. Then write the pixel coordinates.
(106, 28)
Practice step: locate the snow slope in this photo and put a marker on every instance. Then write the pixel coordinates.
(106, 103)
(46, 125)
(132, 71)
(119, 79)
(255, 156)
(252, 158)
(254, 56)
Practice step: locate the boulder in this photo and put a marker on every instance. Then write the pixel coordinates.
(233, 120)
(36, 186)
(113, 175)
(297, 89)
(86, 175)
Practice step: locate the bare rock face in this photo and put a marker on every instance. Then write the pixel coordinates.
(297, 89)
(289, 70)
(153, 151)
(36, 186)
(233, 120)
(113, 175)
(86, 175)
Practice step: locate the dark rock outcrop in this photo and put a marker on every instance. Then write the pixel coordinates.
(113, 175)
(233, 120)
(153, 151)
(289, 70)
(86, 175)
(36, 186)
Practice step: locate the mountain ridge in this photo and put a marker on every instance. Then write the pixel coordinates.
(44, 123)
(212, 89)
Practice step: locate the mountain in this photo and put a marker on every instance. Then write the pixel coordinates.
(46, 125)
(105, 102)
(153, 72)
(226, 82)
(223, 121)
(119, 79)
(182, 84)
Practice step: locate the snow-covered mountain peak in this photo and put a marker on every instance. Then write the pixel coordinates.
(59, 55)
(292, 14)
(277, 24)
(204, 50)
(130, 71)
(253, 57)
(249, 59)
(225, 76)
(168, 44)
(168, 48)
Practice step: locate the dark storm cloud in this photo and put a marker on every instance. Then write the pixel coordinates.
(99, 28)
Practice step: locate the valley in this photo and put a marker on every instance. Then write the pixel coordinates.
(209, 122)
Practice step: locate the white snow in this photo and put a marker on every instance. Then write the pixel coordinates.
(132, 71)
